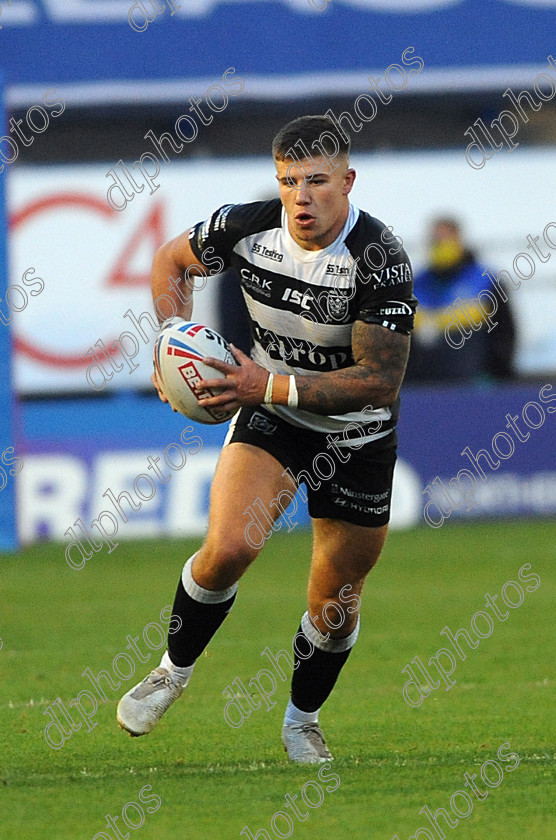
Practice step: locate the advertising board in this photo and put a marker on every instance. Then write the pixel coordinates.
(151, 49)
(82, 456)
(87, 265)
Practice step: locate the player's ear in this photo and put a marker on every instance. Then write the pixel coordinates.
(349, 179)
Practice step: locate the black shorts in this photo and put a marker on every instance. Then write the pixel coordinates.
(353, 484)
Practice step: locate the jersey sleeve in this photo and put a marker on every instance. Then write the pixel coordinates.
(384, 280)
(221, 232)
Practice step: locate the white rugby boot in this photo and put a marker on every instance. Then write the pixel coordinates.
(305, 744)
(142, 707)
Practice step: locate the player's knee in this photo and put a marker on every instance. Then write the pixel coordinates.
(331, 617)
(224, 561)
(235, 552)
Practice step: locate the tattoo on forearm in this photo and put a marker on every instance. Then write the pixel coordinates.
(380, 357)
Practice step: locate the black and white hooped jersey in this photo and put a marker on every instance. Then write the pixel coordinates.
(303, 304)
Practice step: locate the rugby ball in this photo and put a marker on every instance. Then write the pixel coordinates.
(179, 351)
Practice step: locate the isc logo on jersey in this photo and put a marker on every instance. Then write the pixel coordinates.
(297, 297)
(337, 302)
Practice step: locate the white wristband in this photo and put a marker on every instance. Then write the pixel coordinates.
(292, 393)
(268, 393)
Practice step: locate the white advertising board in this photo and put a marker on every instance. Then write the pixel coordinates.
(94, 261)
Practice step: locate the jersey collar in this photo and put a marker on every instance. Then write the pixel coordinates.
(303, 255)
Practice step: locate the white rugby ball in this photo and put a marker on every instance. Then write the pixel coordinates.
(179, 351)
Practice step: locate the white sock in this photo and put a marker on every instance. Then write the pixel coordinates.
(295, 715)
(183, 674)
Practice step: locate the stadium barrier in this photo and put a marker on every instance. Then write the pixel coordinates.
(74, 449)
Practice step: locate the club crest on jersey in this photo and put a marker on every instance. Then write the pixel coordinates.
(260, 423)
(337, 305)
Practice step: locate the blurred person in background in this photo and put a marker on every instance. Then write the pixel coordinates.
(454, 274)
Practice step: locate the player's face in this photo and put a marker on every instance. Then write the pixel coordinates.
(315, 199)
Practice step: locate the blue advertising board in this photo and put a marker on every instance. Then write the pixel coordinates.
(119, 50)
(9, 464)
(481, 451)
(137, 469)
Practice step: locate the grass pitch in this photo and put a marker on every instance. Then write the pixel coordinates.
(214, 780)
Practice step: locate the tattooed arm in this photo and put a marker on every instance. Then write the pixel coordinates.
(380, 357)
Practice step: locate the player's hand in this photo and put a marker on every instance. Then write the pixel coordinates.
(244, 385)
(161, 395)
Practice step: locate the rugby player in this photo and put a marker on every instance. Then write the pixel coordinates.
(330, 297)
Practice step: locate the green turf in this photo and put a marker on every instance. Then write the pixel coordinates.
(213, 780)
